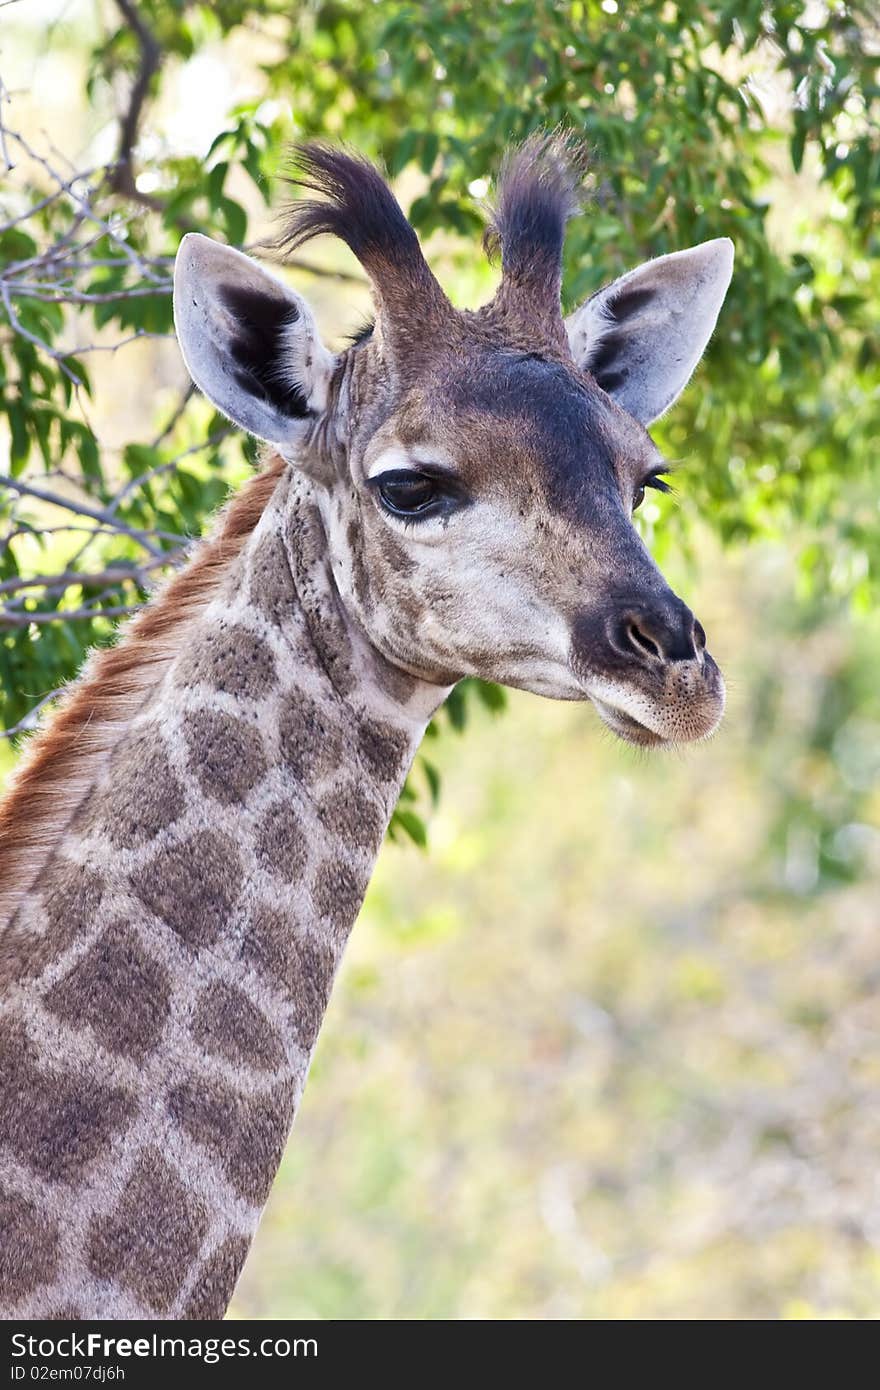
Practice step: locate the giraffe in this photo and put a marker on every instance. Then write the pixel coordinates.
(187, 844)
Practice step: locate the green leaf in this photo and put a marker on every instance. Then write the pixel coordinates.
(430, 144)
(20, 446)
(494, 697)
(455, 708)
(432, 776)
(140, 458)
(412, 824)
(89, 458)
(235, 218)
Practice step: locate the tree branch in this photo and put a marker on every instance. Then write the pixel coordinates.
(65, 615)
(57, 294)
(95, 513)
(86, 211)
(4, 149)
(143, 478)
(31, 719)
(57, 583)
(25, 333)
(122, 179)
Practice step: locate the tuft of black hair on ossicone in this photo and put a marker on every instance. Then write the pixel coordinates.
(539, 189)
(357, 206)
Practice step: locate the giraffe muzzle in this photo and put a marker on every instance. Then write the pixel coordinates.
(643, 662)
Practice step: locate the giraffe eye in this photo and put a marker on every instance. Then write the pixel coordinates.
(406, 493)
(654, 480)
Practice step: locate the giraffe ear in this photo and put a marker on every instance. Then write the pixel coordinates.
(642, 336)
(249, 342)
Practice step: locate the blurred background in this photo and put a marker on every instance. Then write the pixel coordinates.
(606, 1042)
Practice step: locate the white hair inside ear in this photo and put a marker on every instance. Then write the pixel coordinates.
(642, 336)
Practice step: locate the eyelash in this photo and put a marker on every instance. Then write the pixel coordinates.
(658, 482)
(653, 480)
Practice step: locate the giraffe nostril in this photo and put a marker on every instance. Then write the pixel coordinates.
(641, 639)
(656, 631)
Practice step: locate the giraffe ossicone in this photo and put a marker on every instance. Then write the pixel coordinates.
(188, 841)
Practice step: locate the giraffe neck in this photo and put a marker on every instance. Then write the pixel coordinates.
(173, 968)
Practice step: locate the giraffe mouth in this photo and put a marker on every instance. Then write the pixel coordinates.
(628, 728)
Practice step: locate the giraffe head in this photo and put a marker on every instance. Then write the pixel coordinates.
(477, 471)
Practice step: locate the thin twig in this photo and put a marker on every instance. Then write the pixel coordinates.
(143, 478)
(136, 337)
(96, 513)
(56, 294)
(186, 396)
(87, 211)
(149, 265)
(4, 151)
(37, 207)
(65, 615)
(268, 251)
(119, 574)
(33, 338)
(31, 719)
(23, 529)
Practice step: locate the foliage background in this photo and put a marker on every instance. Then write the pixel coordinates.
(611, 1047)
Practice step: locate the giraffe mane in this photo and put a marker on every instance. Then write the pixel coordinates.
(67, 755)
